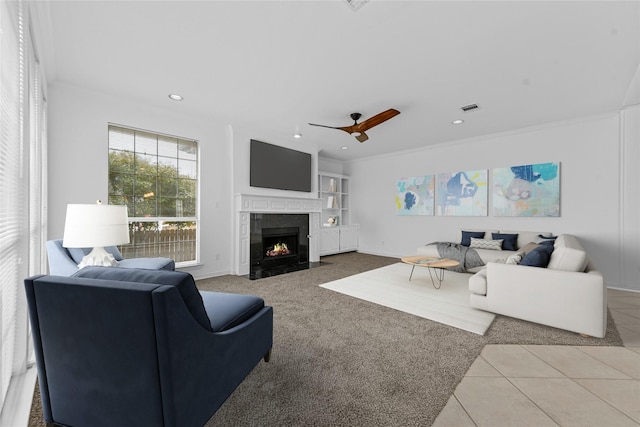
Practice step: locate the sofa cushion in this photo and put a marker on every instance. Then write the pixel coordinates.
(488, 255)
(495, 245)
(568, 254)
(510, 241)
(229, 310)
(539, 257)
(467, 235)
(182, 281)
(78, 253)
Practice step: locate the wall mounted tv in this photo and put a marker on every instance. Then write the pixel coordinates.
(278, 167)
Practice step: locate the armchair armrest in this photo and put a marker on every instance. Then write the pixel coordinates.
(60, 262)
(220, 360)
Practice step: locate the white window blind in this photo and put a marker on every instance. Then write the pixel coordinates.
(22, 175)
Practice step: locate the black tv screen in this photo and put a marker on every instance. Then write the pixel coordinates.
(278, 167)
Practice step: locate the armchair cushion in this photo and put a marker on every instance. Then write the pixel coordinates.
(229, 310)
(182, 281)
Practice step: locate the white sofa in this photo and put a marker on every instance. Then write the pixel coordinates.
(488, 255)
(568, 294)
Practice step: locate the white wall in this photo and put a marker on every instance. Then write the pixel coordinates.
(330, 165)
(589, 151)
(78, 147)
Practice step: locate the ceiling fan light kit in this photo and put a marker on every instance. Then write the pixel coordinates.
(358, 129)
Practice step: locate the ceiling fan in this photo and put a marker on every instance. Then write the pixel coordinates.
(358, 129)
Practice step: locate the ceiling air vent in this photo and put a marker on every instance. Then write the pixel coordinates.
(469, 107)
(355, 4)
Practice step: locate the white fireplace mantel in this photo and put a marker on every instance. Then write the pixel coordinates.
(246, 204)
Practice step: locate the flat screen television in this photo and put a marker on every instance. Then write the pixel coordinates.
(278, 167)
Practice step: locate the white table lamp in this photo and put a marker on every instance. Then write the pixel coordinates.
(96, 226)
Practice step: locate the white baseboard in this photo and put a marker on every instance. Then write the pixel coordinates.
(623, 289)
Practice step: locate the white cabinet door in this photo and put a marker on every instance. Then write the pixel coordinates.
(348, 239)
(329, 240)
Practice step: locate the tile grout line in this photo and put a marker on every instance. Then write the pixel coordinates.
(521, 392)
(573, 380)
(601, 399)
(464, 409)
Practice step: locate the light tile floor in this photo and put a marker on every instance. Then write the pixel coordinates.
(539, 385)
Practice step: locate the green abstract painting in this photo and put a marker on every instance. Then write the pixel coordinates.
(527, 190)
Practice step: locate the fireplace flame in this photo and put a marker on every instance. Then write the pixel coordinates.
(279, 249)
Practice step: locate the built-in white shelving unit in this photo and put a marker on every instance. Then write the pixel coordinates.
(337, 234)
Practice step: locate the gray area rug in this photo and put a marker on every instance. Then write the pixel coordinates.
(342, 361)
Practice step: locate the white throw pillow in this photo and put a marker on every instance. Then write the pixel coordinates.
(514, 259)
(495, 245)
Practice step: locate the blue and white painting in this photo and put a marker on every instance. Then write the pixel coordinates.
(462, 193)
(414, 195)
(527, 190)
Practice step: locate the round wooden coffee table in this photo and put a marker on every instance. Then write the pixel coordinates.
(436, 266)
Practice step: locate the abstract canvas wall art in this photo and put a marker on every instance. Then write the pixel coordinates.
(462, 193)
(527, 190)
(414, 195)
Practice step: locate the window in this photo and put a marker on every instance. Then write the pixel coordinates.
(23, 193)
(156, 176)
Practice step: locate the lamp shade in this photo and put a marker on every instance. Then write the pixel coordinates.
(88, 226)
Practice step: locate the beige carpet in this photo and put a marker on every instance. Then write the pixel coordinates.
(390, 286)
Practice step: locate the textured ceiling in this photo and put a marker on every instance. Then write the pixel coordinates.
(274, 66)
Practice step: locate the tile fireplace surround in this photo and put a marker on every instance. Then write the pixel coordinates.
(247, 204)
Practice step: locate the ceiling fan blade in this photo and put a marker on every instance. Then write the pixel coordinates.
(376, 120)
(347, 129)
(362, 137)
(325, 126)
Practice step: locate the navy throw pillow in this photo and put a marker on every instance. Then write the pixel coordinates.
(467, 235)
(182, 281)
(540, 236)
(509, 241)
(539, 257)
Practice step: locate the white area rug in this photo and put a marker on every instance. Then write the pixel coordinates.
(390, 286)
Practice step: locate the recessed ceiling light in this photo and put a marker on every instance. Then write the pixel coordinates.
(175, 97)
(457, 122)
(344, 147)
(297, 135)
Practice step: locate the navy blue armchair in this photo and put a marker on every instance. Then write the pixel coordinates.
(126, 347)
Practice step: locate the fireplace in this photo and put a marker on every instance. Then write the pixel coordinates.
(279, 244)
